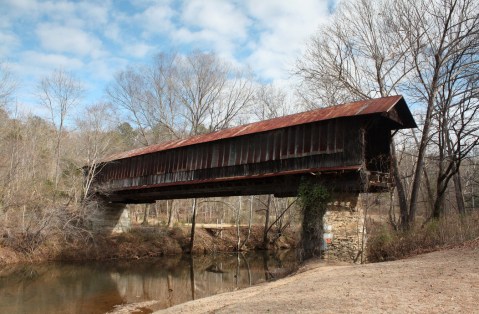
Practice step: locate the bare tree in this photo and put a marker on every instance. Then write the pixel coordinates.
(211, 92)
(193, 223)
(356, 57)
(127, 92)
(457, 134)
(162, 99)
(250, 221)
(7, 86)
(178, 96)
(59, 93)
(96, 139)
(270, 102)
(443, 43)
(379, 48)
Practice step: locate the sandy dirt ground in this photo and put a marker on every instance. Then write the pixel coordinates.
(445, 281)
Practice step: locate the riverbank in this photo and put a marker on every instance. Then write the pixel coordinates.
(445, 281)
(142, 242)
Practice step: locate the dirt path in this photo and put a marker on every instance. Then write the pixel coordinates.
(440, 282)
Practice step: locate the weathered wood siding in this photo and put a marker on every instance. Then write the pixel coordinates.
(324, 144)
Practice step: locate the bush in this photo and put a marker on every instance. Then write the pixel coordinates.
(385, 244)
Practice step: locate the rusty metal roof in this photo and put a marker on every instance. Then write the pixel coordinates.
(358, 108)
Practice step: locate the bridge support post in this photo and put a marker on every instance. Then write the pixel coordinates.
(344, 227)
(111, 218)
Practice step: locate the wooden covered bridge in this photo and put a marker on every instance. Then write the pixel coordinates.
(346, 146)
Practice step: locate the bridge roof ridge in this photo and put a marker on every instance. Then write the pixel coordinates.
(357, 108)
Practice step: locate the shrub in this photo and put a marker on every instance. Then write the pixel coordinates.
(385, 244)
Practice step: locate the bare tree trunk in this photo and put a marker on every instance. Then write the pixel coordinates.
(157, 213)
(193, 225)
(169, 210)
(238, 215)
(427, 182)
(249, 223)
(391, 213)
(56, 175)
(146, 213)
(403, 208)
(439, 202)
(421, 154)
(461, 207)
(169, 214)
(266, 222)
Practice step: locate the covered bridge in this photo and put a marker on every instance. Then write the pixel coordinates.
(347, 146)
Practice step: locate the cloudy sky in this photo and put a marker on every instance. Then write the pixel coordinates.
(96, 39)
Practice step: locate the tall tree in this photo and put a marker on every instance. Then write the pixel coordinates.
(270, 102)
(59, 93)
(7, 86)
(96, 139)
(379, 48)
(442, 43)
(127, 93)
(211, 92)
(177, 96)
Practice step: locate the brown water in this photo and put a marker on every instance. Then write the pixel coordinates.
(100, 287)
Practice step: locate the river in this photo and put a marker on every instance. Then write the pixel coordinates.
(101, 287)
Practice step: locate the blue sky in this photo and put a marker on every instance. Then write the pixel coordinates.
(96, 39)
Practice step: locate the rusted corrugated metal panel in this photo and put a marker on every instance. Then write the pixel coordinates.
(359, 108)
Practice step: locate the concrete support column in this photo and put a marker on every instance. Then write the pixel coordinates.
(111, 218)
(344, 223)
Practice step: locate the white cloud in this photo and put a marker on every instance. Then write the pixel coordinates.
(138, 50)
(58, 10)
(113, 32)
(58, 38)
(95, 39)
(214, 25)
(23, 5)
(8, 42)
(284, 28)
(154, 19)
(40, 63)
(97, 12)
(216, 16)
(104, 69)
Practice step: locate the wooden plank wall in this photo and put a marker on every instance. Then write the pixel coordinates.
(329, 144)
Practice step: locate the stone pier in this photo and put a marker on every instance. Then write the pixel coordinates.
(346, 220)
(111, 218)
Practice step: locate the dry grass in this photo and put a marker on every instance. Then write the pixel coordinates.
(140, 242)
(385, 244)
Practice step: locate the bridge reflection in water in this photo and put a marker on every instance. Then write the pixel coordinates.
(100, 286)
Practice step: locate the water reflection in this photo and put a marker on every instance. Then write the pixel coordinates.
(97, 287)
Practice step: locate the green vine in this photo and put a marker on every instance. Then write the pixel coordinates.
(313, 198)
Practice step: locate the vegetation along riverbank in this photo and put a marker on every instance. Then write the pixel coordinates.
(141, 242)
